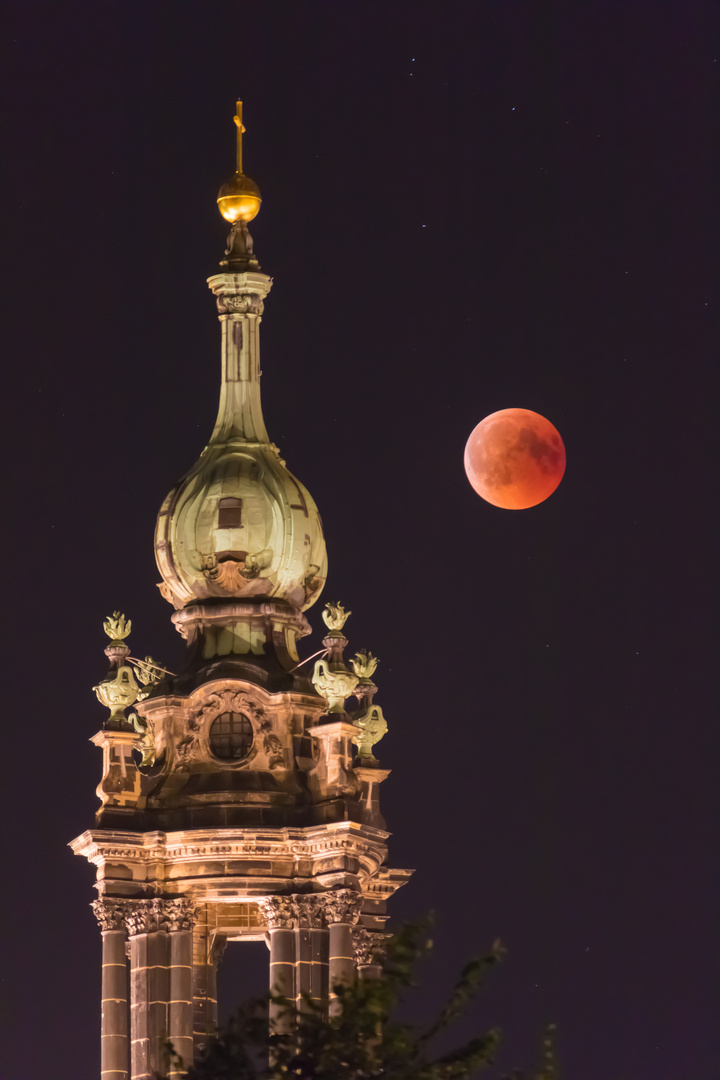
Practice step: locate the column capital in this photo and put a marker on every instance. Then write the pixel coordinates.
(342, 906)
(278, 911)
(292, 912)
(159, 915)
(370, 946)
(309, 911)
(109, 913)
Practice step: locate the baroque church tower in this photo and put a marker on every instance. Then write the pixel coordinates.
(239, 797)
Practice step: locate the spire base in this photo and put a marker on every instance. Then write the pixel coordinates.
(239, 253)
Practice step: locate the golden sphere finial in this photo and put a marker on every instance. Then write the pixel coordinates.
(239, 198)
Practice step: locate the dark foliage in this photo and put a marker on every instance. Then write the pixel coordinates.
(362, 1041)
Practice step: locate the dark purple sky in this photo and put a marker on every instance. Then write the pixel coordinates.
(467, 207)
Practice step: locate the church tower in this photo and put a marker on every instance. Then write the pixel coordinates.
(239, 796)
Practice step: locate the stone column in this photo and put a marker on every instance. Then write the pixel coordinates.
(114, 1045)
(180, 915)
(369, 952)
(280, 916)
(311, 951)
(342, 909)
(148, 927)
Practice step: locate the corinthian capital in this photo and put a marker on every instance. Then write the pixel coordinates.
(278, 911)
(342, 906)
(310, 911)
(159, 915)
(369, 945)
(180, 914)
(110, 913)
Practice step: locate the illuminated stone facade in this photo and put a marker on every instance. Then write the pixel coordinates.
(239, 797)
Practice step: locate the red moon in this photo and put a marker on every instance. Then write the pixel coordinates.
(515, 458)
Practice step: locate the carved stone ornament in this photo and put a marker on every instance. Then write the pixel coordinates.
(342, 906)
(233, 574)
(273, 748)
(278, 912)
(215, 704)
(146, 740)
(294, 912)
(181, 914)
(370, 946)
(240, 304)
(310, 911)
(110, 914)
(159, 916)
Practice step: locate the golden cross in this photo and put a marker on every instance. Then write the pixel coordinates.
(240, 129)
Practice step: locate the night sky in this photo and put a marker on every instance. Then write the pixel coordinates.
(467, 206)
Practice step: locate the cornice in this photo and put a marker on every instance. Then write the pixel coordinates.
(99, 845)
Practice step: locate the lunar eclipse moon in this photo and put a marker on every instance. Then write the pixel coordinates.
(515, 459)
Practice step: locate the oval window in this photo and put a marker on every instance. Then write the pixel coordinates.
(231, 736)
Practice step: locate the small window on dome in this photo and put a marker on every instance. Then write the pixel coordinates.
(231, 736)
(230, 514)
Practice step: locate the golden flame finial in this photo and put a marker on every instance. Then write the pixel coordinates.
(239, 198)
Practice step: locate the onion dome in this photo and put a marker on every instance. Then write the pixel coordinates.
(239, 525)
